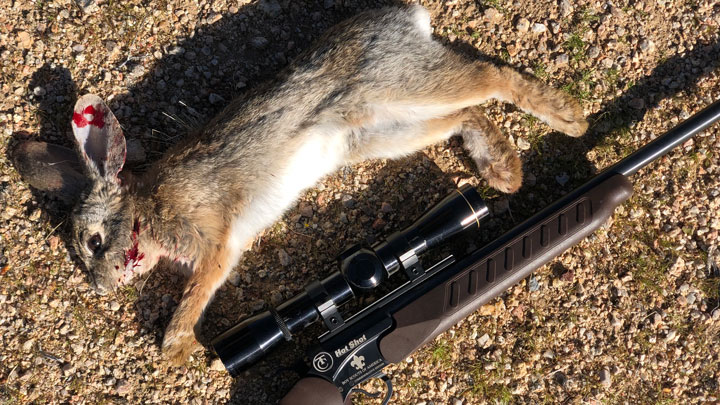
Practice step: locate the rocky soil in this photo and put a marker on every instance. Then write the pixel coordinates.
(630, 315)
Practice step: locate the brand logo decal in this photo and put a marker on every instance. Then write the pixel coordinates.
(350, 346)
(322, 362)
(358, 362)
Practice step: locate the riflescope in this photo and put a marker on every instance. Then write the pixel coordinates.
(361, 269)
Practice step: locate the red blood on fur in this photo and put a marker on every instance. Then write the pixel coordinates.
(98, 117)
(133, 254)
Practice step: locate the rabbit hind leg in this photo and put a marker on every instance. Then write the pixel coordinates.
(460, 84)
(492, 152)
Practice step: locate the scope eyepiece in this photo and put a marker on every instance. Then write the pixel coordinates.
(362, 269)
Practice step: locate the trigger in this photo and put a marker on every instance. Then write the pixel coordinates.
(388, 384)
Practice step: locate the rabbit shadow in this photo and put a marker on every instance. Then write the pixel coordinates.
(369, 211)
(51, 91)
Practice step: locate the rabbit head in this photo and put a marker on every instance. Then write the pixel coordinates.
(105, 235)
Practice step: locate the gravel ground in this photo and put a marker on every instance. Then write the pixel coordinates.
(628, 315)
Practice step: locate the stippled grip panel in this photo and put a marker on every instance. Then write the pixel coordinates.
(495, 268)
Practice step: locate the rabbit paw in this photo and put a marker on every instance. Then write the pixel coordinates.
(566, 115)
(574, 125)
(503, 180)
(178, 345)
(504, 174)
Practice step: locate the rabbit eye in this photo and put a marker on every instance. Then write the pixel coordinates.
(94, 242)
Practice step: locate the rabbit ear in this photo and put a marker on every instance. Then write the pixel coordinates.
(51, 168)
(99, 137)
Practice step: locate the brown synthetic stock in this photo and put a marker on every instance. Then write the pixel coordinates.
(448, 303)
(314, 391)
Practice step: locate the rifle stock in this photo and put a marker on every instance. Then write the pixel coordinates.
(452, 295)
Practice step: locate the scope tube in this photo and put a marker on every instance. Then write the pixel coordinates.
(457, 212)
(245, 343)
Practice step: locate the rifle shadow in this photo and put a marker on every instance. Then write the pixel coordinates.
(225, 58)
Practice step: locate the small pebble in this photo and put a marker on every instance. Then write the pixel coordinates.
(538, 28)
(593, 52)
(566, 8)
(523, 25)
(637, 103)
(259, 42)
(306, 209)
(605, 378)
(533, 284)
(234, 278)
(215, 98)
(284, 257)
(491, 14)
(522, 144)
(217, 365)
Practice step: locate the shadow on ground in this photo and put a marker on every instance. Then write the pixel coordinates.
(222, 60)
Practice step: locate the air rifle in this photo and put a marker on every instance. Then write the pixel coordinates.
(431, 300)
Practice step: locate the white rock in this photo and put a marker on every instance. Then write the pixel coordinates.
(522, 144)
(646, 45)
(27, 346)
(484, 340)
(566, 8)
(217, 365)
(492, 14)
(538, 28)
(523, 25)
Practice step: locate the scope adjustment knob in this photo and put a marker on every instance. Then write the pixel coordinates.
(363, 270)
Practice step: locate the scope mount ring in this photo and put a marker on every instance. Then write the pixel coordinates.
(325, 305)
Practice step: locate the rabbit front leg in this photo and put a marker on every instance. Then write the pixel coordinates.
(213, 268)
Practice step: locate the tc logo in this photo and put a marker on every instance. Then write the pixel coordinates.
(322, 362)
(358, 362)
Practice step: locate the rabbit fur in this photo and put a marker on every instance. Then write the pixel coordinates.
(375, 86)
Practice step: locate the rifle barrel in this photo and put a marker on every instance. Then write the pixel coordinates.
(663, 144)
